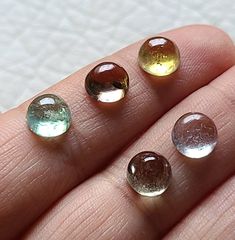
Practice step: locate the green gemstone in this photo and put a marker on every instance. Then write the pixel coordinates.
(48, 116)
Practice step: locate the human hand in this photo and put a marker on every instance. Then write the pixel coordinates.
(76, 188)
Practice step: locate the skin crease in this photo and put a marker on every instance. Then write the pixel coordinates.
(43, 192)
(213, 219)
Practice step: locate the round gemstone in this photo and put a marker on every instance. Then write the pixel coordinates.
(149, 174)
(48, 116)
(194, 135)
(159, 56)
(107, 82)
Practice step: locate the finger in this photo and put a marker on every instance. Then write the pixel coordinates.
(105, 206)
(213, 219)
(34, 175)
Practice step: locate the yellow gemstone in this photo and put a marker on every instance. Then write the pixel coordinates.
(159, 56)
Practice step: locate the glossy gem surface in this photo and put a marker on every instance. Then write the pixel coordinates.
(107, 82)
(159, 56)
(149, 174)
(48, 116)
(195, 135)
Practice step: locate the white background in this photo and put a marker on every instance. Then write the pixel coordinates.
(43, 41)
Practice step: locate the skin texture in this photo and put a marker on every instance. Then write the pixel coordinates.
(75, 188)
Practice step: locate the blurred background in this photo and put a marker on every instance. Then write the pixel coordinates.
(43, 41)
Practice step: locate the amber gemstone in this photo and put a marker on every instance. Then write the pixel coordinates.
(149, 174)
(107, 82)
(195, 135)
(159, 56)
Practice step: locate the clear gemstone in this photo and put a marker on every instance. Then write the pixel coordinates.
(195, 135)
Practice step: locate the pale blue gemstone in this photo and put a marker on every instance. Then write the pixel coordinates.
(48, 116)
